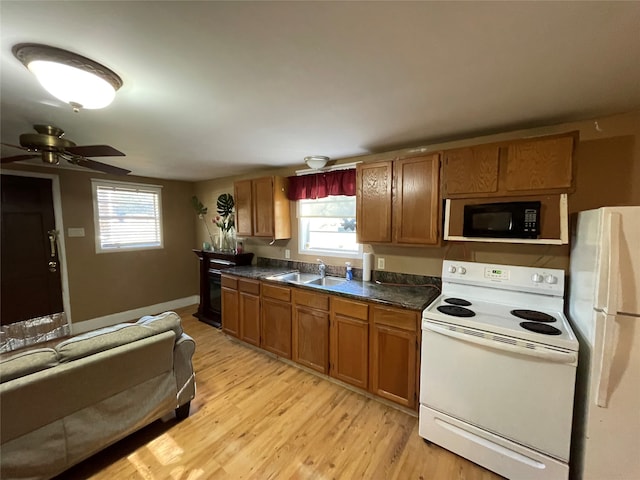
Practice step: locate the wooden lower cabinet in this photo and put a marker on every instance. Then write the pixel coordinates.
(230, 306)
(349, 342)
(249, 299)
(369, 346)
(310, 334)
(276, 320)
(394, 354)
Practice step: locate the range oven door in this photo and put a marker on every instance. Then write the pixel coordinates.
(512, 388)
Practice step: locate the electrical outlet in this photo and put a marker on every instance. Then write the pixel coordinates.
(287, 253)
(380, 263)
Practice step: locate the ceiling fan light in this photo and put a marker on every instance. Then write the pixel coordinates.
(316, 162)
(70, 77)
(72, 85)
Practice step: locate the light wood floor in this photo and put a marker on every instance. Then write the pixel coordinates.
(255, 417)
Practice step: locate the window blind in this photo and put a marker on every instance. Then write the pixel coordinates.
(128, 217)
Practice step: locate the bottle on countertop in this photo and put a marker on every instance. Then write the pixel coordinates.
(349, 271)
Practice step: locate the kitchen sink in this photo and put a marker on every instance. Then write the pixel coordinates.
(296, 277)
(328, 281)
(309, 279)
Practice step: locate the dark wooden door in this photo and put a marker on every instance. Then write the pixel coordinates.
(29, 288)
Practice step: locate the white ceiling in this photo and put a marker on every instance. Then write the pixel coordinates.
(213, 89)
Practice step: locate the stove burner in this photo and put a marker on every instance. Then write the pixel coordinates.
(458, 301)
(533, 315)
(540, 328)
(456, 311)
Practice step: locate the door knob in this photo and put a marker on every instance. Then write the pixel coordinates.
(53, 266)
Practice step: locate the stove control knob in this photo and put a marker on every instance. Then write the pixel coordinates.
(536, 277)
(452, 269)
(462, 270)
(551, 279)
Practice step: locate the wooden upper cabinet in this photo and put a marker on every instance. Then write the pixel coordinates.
(416, 198)
(540, 164)
(263, 217)
(471, 170)
(399, 201)
(244, 212)
(373, 202)
(262, 208)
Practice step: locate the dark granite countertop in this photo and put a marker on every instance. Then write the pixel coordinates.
(411, 297)
(256, 273)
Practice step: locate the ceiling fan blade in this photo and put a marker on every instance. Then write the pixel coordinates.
(95, 151)
(101, 167)
(14, 146)
(17, 158)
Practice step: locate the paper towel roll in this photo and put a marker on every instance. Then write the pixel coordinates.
(367, 263)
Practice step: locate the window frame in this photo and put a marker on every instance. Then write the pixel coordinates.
(322, 252)
(155, 189)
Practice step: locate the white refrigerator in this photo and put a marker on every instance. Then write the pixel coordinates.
(604, 309)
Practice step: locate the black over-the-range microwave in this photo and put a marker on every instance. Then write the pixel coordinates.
(502, 220)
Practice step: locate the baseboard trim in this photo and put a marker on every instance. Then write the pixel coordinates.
(129, 315)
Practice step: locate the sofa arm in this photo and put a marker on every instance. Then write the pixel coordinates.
(183, 369)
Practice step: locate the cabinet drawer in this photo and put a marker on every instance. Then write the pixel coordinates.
(249, 286)
(350, 308)
(393, 317)
(310, 299)
(277, 293)
(229, 282)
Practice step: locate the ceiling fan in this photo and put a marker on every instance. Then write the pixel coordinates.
(51, 147)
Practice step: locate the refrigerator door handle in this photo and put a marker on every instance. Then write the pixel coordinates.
(610, 327)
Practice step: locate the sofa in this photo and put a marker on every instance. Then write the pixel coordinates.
(62, 403)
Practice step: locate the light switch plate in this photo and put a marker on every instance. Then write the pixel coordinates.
(381, 263)
(75, 232)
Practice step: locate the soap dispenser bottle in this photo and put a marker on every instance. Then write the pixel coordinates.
(349, 271)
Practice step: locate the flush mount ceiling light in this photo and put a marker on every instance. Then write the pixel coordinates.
(316, 162)
(72, 78)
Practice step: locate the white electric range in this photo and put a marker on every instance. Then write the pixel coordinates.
(498, 369)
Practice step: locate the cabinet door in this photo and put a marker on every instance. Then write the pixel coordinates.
(262, 194)
(350, 350)
(373, 202)
(276, 327)
(311, 338)
(540, 164)
(393, 364)
(250, 318)
(471, 170)
(244, 216)
(230, 311)
(416, 200)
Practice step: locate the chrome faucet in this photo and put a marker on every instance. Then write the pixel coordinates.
(322, 268)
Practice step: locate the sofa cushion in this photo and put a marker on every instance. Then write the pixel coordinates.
(162, 323)
(27, 362)
(100, 340)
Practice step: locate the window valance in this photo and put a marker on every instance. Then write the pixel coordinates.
(320, 185)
